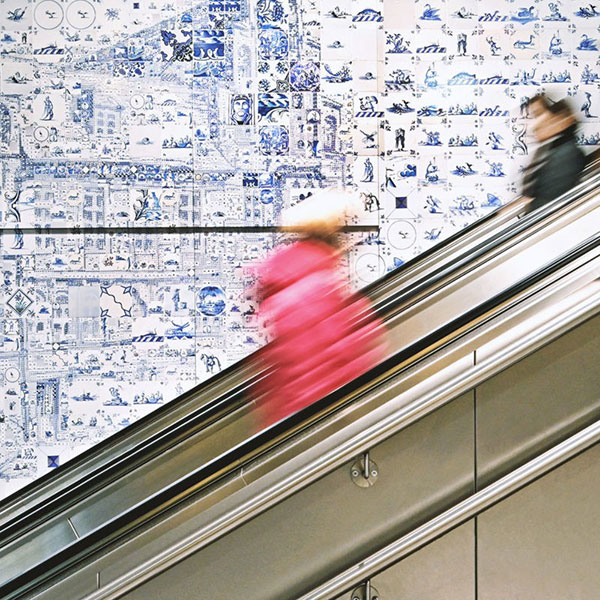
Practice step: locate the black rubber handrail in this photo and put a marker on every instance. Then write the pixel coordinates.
(166, 499)
(231, 400)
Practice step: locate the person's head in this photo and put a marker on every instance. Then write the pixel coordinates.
(241, 109)
(322, 214)
(537, 105)
(559, 117)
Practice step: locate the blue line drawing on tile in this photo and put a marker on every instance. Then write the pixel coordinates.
(587, 12)
(588, 44)
(587, 106)
(430, 14)
(526, 15)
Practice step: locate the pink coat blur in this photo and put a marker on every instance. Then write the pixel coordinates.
(317, 343)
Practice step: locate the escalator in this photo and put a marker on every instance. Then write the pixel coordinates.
(504, 396)
(185, 481)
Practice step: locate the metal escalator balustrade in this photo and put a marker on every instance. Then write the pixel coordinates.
(291, 471)
(217, 398)
(558, 228)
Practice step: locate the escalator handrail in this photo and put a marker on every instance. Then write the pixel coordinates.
(261, 442)
(219, 406)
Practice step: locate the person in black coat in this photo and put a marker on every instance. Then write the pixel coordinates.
(559, 162)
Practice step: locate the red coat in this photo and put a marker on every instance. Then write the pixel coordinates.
(318, 344)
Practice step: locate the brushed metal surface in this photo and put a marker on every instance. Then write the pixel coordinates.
(459, 514)
(81, 581)
(170, 466)
(538, 401)
(512, 262)
(332, 522)
(415, 391)
(99, 507)
(443, 570)
(33, 548)
(544, 542)
(77, 586)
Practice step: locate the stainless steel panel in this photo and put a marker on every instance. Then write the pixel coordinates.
(544, 542)
(333, 522)
(166, 533)
(75, 586)
(163, 470)
(33, 548)
(443, 570)
(538, 401)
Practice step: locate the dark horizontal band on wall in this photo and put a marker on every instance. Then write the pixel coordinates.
(173, 229)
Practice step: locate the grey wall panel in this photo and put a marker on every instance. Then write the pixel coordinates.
(538, 401)
(544, 542)
(333, 523)
(443, 570)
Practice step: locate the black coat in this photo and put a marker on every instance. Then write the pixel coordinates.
(562, 165)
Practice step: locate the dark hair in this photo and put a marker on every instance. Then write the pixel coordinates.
(562, 108)
(563, 111)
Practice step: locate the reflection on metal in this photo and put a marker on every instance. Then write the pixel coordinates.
(364, 472)
(83, 475)
(458, 514)
(365, 592)
(408, 403)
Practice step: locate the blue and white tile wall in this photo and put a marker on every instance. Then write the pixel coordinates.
(120, 114)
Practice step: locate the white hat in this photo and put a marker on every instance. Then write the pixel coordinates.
(324, 211)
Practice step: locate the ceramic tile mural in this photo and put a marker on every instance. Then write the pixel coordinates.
(118, 116)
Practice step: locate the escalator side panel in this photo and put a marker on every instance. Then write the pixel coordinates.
(169, 466)
(538, 544)
(35, 547)
(539, 401)
(280, 553)
(78, 586)
(543, 542)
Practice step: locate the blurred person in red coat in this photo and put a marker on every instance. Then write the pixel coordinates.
(322, 335)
